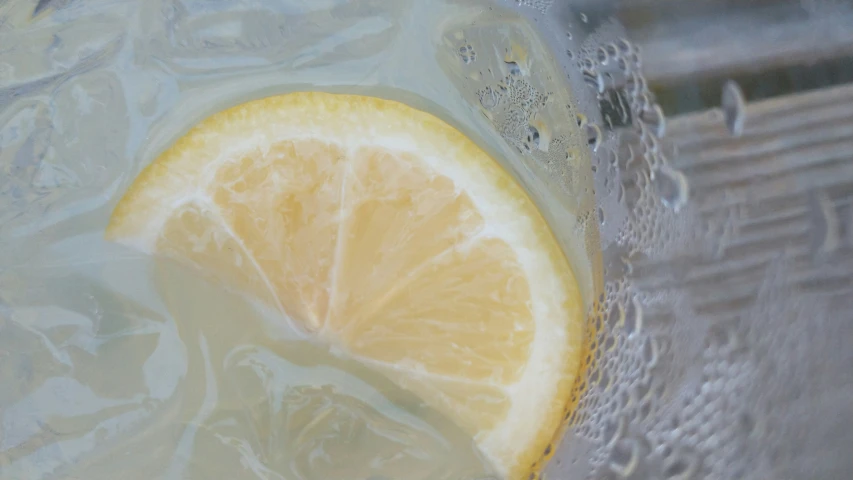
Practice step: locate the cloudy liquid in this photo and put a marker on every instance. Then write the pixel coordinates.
(114, 364)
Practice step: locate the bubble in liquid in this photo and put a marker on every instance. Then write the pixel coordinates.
(488, 98)
(532, 140)
(513, 67)
(467, 54)
(734, 107)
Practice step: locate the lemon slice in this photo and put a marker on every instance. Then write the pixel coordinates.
(387, 233)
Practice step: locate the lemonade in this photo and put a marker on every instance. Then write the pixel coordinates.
(124, 363)
(387, 234)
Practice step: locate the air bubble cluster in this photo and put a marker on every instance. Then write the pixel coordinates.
(467, 54)
(516, 108)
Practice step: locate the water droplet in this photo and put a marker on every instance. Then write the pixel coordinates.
(594, 79)
(655, 119)
(569, 35)
(584, 18)
(636, 60)
(682, 466)
(632, 84)
(644, 101)
(676, 470)
(602, 56)
(624, 457)
(642, 87)
(671, 186)
(826, 234)
(570, 54)
(734, 107)
(614, 429)
(633, 317)
(594, 136)
(651, 351)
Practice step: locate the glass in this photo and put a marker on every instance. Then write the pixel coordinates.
(715, 256)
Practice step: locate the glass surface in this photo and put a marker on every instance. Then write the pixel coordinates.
(716, 258)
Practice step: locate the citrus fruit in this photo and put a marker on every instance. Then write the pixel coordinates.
(388, 234)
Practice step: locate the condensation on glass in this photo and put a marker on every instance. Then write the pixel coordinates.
(717, 249)
(725, 343)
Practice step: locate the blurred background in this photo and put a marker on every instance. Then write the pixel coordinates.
(771, 48)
